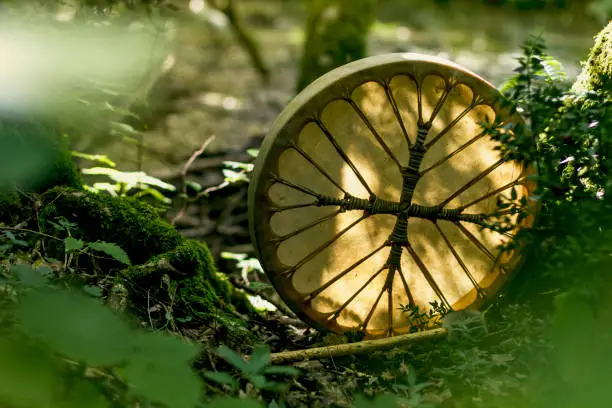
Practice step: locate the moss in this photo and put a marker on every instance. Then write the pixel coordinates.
(335, 35)
(135, 226)
(167, 268)
(597, 72)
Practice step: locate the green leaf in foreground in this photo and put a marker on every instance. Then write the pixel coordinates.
(76, 326)
(112, 250)
(160, 371)
(83, 393)
(29, 377)
(286, 370)
(29, 276)
(233, 358)
(259, 359)
(221, 377)
(228, 402)
(73, 244)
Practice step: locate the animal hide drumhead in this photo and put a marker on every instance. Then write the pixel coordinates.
(378, 188)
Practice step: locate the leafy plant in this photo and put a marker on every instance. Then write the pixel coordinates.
(73, 245)
(253, 370)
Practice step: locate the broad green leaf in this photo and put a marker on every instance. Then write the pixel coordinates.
(29, 377)
(160, 371)
(228, 402)
(232, 176)
(98, 158)
(175, 386)
(166, 349)
(252, 152)
(129, 178)
(29, 276)
(221, 377)
(251, 264)
(92, 290)
(257, 286)
(156, 194)
(73, 244)
(82, 393)
(239, 165)
(381, 401)
(259, 381)
(75, 325)
(259, 359)
(292, 371)
(194, 185)
(232, 255)
(233, 358)
(112, 250)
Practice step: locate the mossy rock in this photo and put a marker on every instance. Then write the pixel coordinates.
(167, 269)
(597, 72)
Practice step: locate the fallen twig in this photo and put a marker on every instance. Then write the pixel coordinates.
(361, 347)
(186, 167)
(29, 231)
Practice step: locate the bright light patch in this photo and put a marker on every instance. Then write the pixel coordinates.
(196, 6)
(48, 67)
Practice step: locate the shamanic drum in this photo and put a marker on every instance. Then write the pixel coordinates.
(378, 188)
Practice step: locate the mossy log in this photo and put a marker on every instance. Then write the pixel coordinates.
(336, 33)
(175, 274)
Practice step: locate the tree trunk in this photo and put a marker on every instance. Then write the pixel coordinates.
(336, 33)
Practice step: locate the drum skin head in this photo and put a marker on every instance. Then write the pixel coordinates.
(377, 188)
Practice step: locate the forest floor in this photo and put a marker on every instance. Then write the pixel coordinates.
(213, 89)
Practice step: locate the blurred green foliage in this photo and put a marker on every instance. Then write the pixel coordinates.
(336, 33)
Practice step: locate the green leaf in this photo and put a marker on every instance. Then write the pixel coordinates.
(194, 185)
(73, 244)
(75, 325)
(167, 349)
(221, 377)
(82, 393)
(259, 381)
(92, 290)
(228, 402)
(112, 250)
(98, 158)
(160, 371)
(232, 176)
(239, 165)
(130, 178)
(29, 276)
(258, 286)
(233, 358)
(233, 255)
(29, 377)
(253, 152)
(156, 194)
(292, 371)
(259, 359)
(382, 401)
